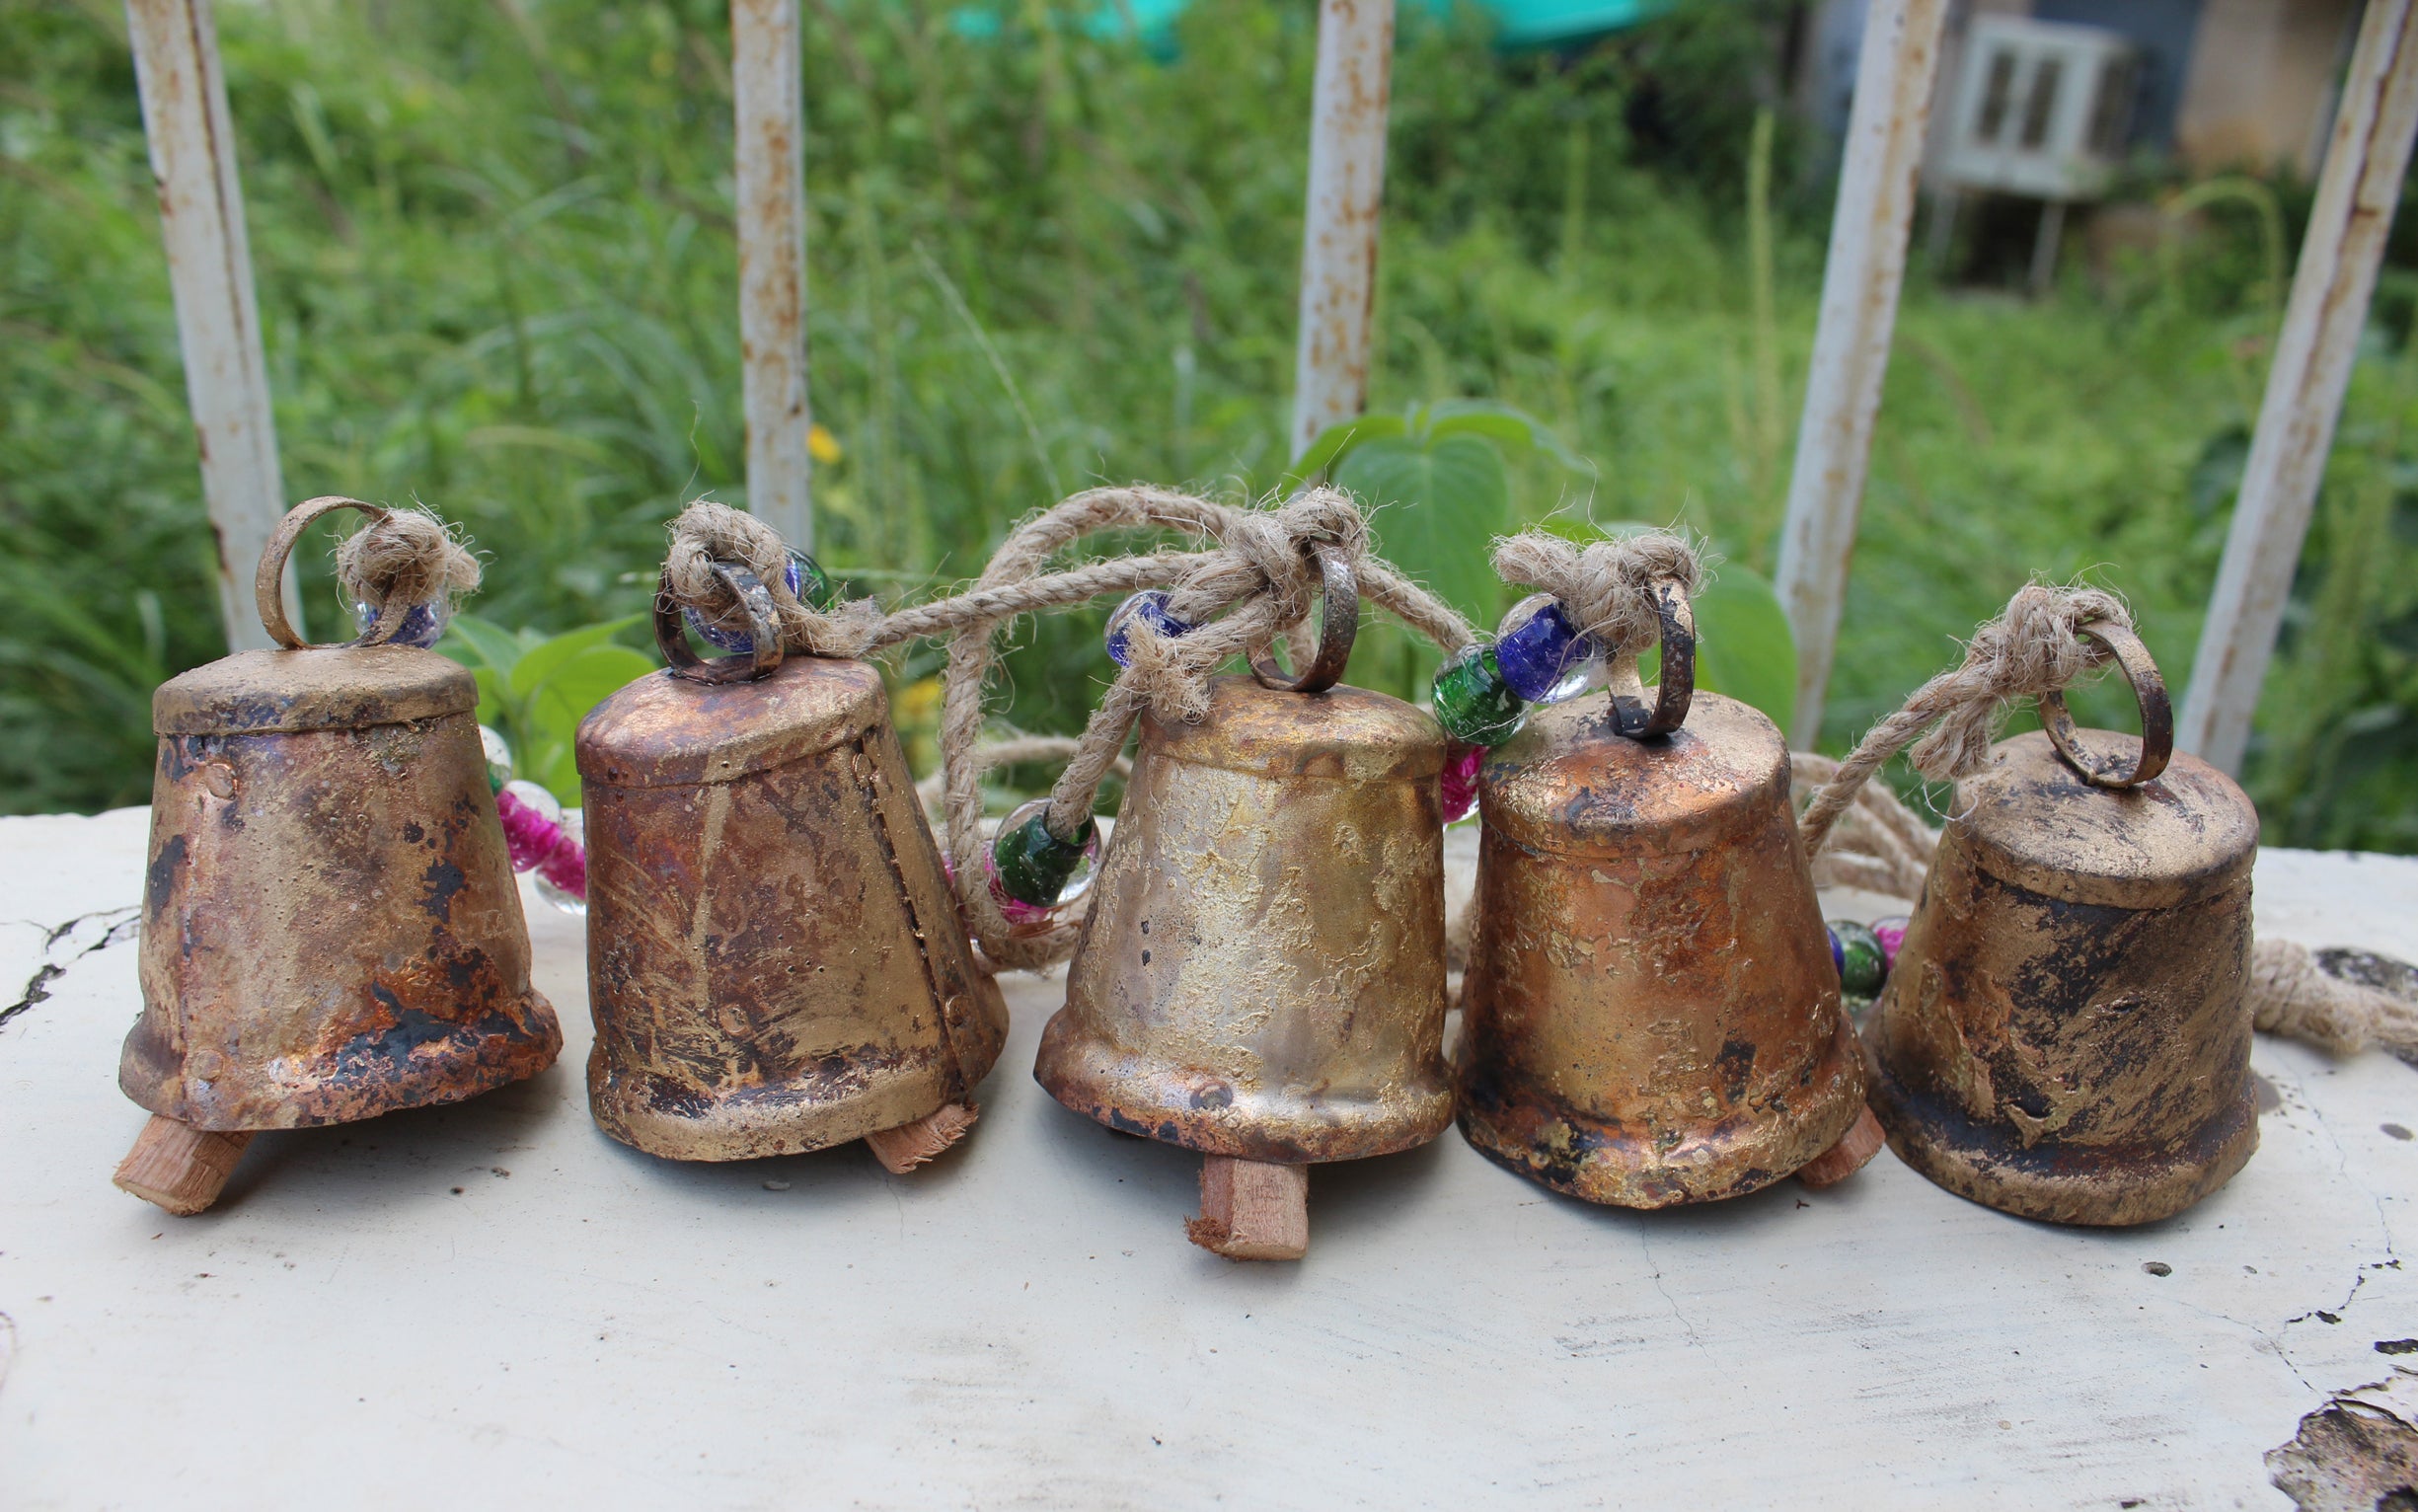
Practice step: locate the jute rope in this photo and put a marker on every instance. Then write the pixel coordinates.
(1253, 583)
(2034, 648)
(408, 557)
(2293, 993)
(1608, 586)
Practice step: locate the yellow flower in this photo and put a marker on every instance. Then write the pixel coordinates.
(821, 445)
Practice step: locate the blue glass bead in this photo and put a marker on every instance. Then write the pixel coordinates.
(1150, 607)
(1839, 952)
(1544, 657)
(422, 624)
(807, 583)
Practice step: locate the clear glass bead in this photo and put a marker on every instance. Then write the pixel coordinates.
(1031, 866)
(424, 624)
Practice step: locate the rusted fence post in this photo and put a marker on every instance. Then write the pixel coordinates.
(1347, 178)
(1887, 128)
(2357, 192)
(209, 273)
(767, 90)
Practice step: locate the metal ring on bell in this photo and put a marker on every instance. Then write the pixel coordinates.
(1676, 688)
(2157, 716)
(762, 622)
(269, 581)
(1340, 623)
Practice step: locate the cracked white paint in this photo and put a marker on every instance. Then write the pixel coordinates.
(1024, 1321)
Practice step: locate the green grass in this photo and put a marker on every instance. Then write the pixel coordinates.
(496, 269)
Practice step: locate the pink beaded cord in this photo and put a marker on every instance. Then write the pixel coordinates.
(1460, 779)
(539, 843)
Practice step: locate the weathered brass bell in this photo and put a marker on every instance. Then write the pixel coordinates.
(1651, 1015)
(331, 928)
(1262, 975)
(775, 960)
(2065, 1035)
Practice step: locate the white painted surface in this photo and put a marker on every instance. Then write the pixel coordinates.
(768, 88)
(210, 271)
(1349, 94)
(2330, 288)
(1025, 1325)
(1866, 265)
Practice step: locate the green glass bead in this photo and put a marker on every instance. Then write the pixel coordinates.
(1474, 703)
(1033, 865)
(1862, 965)
(813, 587)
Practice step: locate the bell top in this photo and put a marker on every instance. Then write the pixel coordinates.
(667, 731)
(1345, 732)
(1570, 783)
(334, 687)
(2030, 819)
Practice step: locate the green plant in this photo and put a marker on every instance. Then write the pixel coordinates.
(535, 688)
(1435, 482)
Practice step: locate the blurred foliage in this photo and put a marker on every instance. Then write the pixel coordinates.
(493, 246)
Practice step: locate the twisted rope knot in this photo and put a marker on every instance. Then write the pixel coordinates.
(708, 532)
(2034, 648)
(1608, 586)
(1277, 543)
(410, 556)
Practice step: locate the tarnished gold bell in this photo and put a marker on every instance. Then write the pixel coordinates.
(330, 926)
(775, 961)
(1262, 975)
(2065, 1035)
(1651, 1015)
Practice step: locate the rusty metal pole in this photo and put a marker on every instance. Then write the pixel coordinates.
(1347, 179)
(210, 271)
(766, 88)
(1894, 78)
(2357, 192)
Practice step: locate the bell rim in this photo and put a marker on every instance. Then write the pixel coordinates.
(482, 1059)
(2097, 1186)
(1608, 1177)
(1415, 1115)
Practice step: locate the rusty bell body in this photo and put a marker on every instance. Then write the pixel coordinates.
(1650, 1015)
(330, 926)
(1262, 972)
(2065, 1035)
(775, 960)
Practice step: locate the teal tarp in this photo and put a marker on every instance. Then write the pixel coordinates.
(1521, 22)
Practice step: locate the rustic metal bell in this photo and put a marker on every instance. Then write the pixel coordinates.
(2064, 1034)
(775, 958)
(1262, 975)
(1651, 1015)
(331, 928)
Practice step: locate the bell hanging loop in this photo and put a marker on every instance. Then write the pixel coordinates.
(1676, 623)
(1338, 624)
(2103, 768)
(755, 600)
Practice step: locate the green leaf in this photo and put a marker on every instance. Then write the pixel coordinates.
(1332, 445)
(1437, 509)
(589, 677)
(538, 662)
(474, 642)
(1743, 645)
(560, 775)
(1503, 424)
(490, 700)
